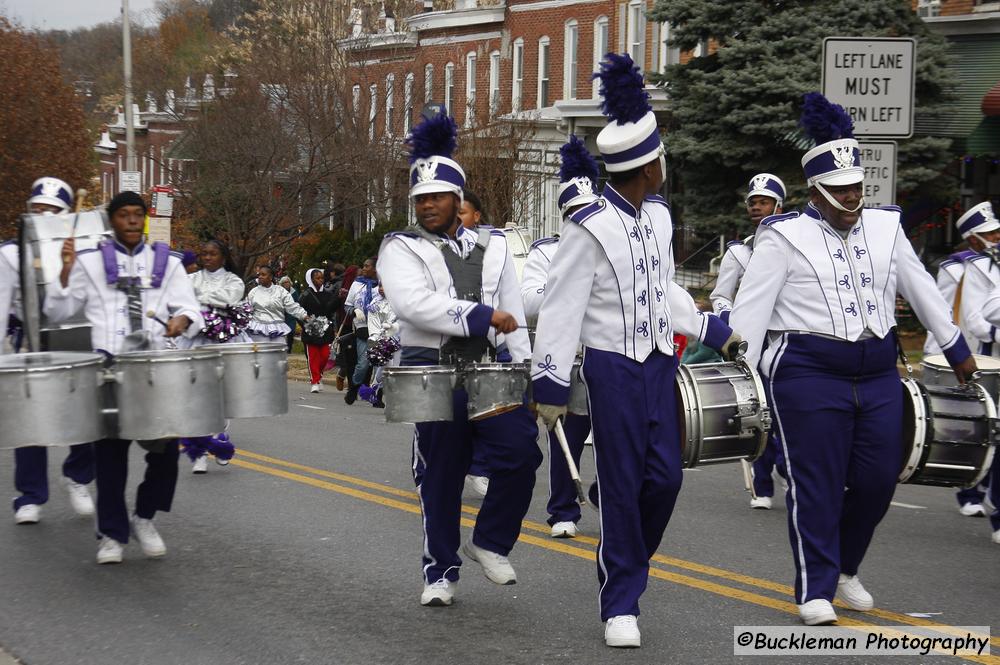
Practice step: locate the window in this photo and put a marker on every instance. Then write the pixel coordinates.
(601, 47)
(494, 83)
(449, 87)
(571, 47)
(927, 8)
(637, 32)
(470, 88)
(356, 101)
(663, 54)
(700, 50)
(428, 83)
(543, 72)
(390, 105)
(407, 103)
(372, 110)
(517, 75)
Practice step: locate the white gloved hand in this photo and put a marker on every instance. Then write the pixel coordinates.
(550, 413)
(359, 315)
(734, 347)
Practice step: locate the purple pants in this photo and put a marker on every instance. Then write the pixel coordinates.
(31, 471)
(637, 451)
(838, 412)
(155, 492)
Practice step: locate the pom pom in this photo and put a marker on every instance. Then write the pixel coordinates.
(196, 446)
(221, 447)
(577, 162)
(622, 88)
(381, 351)
(824, 121)
(433, 137)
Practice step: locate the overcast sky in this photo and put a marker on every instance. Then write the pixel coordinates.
(69, 14)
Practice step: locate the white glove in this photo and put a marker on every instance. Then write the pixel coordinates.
(550, 413)
(734, 347)
(359, 315)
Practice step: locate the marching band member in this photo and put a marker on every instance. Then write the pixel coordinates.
(991, 311)
(765, 197)
(48, 196)
(116, 285)
(359, 297)
(451, 288)
(820, 292)
(578, 174)
(951, 270)
(611, 287)
(270, 304)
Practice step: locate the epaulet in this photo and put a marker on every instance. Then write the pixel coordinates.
(768, 221)
(401, 234)
(733, 243)
(177, 255)
(588, 211)
(963, 256)
(893, 208)
(8, 242)
(656, 198)
(495, 232)
(543, 241)
(977, 257)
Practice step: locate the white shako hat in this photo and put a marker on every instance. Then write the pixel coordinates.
(767, 184)
(836, 159)
(978, 219)
(432, 169)
(632, 137)
(53, 192)
(578, 174)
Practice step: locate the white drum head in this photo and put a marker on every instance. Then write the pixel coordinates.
(984, 363)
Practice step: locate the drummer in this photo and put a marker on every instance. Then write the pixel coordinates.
(49, 196)
(820, 290)
(765, 197)
(453, 290)
(578, 175)
(991, 310)
(610, 287)
(116, 285)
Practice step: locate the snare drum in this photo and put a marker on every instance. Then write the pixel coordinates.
(255, 381)
(948, 434)
(169, 394)
(494, 388)
(419, 394)
(937, 372)
(577, 392)
(50, 399)
(724, 413)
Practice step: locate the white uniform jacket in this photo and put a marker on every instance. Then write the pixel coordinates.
(982, 275)
(420, 290)
(536, 272)
(805, 277)
(734, 264)
(9, 284)
(949, 276)
(106, 307)
(218, 289)
(611, 287)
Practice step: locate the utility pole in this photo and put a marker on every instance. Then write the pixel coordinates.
(129, 118)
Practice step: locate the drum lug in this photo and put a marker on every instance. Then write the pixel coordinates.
(72, 383)
(193, 373)
(256, 370)
(994, 430)
(220, 371)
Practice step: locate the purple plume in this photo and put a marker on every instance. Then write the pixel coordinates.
(824, 121)
(577, 161)
(622, 88)
(433, 137)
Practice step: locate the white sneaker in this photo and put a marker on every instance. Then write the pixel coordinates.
(761, 503)
(973, 510)
(200, 465)
(564, 530)
(438, 594)
(79, 497)
(148, 537)
(478, 484)
(850, 591)
(622, 631)
(29, 513)
(996, 536)
(817, 612)
(315, 388)
(496, 567)
(222, 462)
(109, 550)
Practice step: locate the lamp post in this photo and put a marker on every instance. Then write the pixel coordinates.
(129, 118)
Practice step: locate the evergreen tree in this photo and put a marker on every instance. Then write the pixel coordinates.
(734, 111)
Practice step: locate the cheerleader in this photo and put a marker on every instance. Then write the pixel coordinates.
(270, 303)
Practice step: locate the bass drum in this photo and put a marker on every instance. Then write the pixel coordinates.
(949, 434)
(937, 372)
(724, 416)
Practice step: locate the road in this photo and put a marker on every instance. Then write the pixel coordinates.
(306, 550)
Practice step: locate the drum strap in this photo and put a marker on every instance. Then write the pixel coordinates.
(467, 276)
(956, 308)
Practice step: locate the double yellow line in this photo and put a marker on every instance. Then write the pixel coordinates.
(408, 501)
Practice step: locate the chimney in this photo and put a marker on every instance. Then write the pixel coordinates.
(357, 22)
(208, 89)
(120, 121)
(168, 104)
(150, 103)
(189, 90)
(390, 20)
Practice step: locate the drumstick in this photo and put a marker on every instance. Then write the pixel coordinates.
(81, 194)
(748, 478)
(150, 314)
(574, 473)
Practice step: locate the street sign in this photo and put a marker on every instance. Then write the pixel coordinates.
(879, 161)
(130, 181)
(162, 202)
(873, 79)
(158, 230)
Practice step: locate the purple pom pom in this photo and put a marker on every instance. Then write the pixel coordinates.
(433, 137)
(622, 88)
(824, 121)
(196, 446)
(577, 161)
(221, 448)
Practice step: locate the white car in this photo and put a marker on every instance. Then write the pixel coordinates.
(519, 241)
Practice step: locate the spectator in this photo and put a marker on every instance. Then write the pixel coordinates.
(383, 345)
(359, 297)
(318, 331)
(286, 283)
(471, 213)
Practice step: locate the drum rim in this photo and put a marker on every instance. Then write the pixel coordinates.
(85, 360)
(166, 356)
(689, 399)
(919, 446)
(252, 347)
(945, 366)
(419, 369)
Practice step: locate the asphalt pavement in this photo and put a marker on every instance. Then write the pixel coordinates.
(306, 549)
